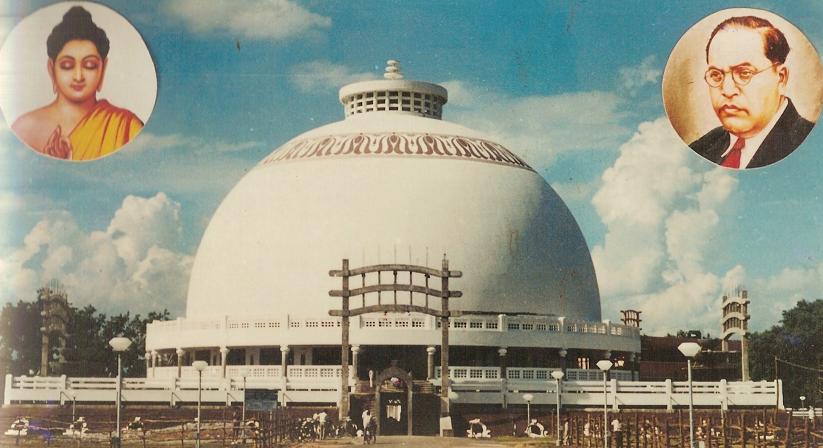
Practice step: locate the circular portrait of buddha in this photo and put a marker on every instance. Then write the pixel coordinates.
(742, 88)
(78, 82)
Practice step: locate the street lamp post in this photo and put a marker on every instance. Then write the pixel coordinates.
(557, 375)
(528, 398)
(690, 350)
(605, 365)
(119, 344)
(199, 366)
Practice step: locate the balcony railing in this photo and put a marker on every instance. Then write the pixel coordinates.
(459, 374)
(499, 323)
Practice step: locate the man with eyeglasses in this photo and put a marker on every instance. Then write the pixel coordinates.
(747, 81)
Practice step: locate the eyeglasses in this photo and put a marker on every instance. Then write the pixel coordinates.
(741, 75)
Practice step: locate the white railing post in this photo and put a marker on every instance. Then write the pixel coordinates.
(614, 393)
(7, 389)
(669, 397)
(724, 396)
(173, 390)
(62, 389)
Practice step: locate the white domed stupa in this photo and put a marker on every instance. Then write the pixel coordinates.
(392, 183)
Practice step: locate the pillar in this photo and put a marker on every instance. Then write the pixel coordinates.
(355, 352)
(445, 385)
(502, 352)
(284, 356)
(147, 358)
(637, 364)
(430, 362)
(154, 359)
(180, 354)
(562, 353)
(224, 358)
(344, 345)
(504, 384)
(744, 357)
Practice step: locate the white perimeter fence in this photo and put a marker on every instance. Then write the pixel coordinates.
(305, 387)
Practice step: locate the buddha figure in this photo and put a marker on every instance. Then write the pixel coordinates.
(77, 125)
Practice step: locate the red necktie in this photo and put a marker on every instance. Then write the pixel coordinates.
(732, 160)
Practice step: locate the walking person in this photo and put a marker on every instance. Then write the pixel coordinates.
(617, 429)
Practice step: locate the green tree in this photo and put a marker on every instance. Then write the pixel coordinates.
(134, 328)
(86, 354)
(20, 338)
(796, 347)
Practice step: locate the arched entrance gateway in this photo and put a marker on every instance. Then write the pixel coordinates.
(405, 290)
(394, 401)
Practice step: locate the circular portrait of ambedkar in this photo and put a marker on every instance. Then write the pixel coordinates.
(77, 81)
(743, 88)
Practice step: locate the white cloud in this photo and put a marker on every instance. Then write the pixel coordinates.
(132, 265)
(539, 127)
(634, 78)
(666, 216)
(773, 295)
(225, 147)
(149, 141)
(252, 19)
(324, 75)
(13, 204)
(661, 212)
(127, 229)
(575, 191)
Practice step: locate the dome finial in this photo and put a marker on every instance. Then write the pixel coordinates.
(392, 70)
(393, 93)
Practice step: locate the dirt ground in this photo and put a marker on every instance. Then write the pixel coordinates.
(387, 441)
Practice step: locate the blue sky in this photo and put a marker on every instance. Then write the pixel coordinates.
(573, 86)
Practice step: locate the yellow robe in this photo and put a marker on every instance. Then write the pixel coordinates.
(103, 130)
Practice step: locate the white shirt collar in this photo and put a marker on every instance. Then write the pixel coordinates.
(753, 143)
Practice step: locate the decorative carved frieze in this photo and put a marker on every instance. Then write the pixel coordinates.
(396, 145)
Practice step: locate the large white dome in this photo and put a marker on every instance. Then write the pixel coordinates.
(386, 187)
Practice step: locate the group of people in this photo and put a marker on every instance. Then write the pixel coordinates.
(319, 427)
(369, 431)
(77, 428)
(593, 432)
(242, 429)
(135, 425)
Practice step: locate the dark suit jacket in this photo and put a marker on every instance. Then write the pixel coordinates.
(786, 135)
